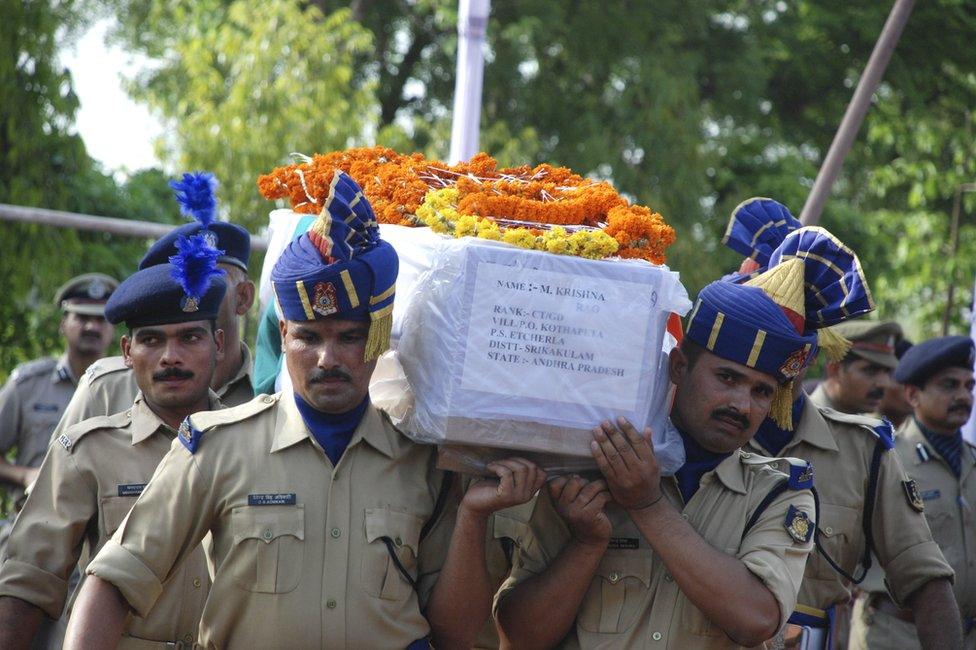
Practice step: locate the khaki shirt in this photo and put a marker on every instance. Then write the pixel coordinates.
(840, 447)
(820, 398)
(299, 546)
(86, 486)
(949, 506)
(633, 602)
(31, 403)
(109, 386)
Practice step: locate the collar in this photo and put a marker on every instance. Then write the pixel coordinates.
(813, 429)
(820, 397)
(246, 371)
(730, 472)
(62, 371)
(290, 428)
(144, 422)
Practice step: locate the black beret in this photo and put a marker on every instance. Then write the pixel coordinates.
(230, 238)
(924, 359)
(153, 296)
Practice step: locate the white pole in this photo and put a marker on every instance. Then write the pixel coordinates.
(472, 22)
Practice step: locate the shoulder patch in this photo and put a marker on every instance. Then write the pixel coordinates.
(799, 472)
(798, 525)
(206, 419)
(913, 495)
(104, 367)
(70, 437)
(32, 369)
(189, 435)
(885, 433)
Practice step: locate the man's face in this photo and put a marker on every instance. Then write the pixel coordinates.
(944, 403)
(718, 402)
(237, 300)
(861, 385)
(173, 364)
(325, 362)
(87, 335)
(894, 405)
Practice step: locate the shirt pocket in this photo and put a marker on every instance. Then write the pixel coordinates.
(112, 512)
(268, 547)
(616, 595)
(841, 538)
(392, 539)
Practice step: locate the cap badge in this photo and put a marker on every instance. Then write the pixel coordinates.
(913, 495)
(97, 289)
(189, 304)
(210, 237)
(324, 300)
(798, 525)
(793, 364)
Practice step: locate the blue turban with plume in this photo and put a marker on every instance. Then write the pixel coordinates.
(340, 267)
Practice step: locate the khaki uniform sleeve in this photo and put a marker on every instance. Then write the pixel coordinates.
(80, 407)
(9, 416)
(47, 538)
(771, 553)
(165, 525)
(902, 539)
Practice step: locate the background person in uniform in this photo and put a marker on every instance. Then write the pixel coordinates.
(857, 383)
(712, 558)
(894, 405)
(95, 470)
(37, 392)
(938, 376)
(324, 516)
(863, 504)
(109, 385)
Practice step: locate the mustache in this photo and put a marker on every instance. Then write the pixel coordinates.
(962, 406)
(733, 415)
(320, 375)
(877, 393)
(91, 335)
(172, 373)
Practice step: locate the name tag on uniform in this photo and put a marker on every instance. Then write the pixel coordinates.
(46, 408)
(131, 489)
(624, 543)
(928, 495)
(282, 499)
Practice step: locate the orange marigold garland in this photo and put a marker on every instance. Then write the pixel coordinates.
(396, 186)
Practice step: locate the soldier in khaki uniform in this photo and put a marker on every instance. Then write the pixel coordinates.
(108, 385)
(330, 527)
(857, 383)
(37, 392)
(863, 504)
(939, 379)
(94, 471)
(713, 557)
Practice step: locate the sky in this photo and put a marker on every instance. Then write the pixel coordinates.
(117, 131)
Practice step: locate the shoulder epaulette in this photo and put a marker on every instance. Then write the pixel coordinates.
(104, 367)
(70, 437)
(800, 476)
(192, 429)
(32, 369)
(879, 427)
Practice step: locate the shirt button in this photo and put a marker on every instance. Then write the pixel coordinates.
(197, 583)
(188, 638)
(684, 515)
(336, 533)
(614, 577)
(267, 533)
(398, 541)
(268, 399)
(330, 603)
(829, 530)
(656, 636)
(668, 578)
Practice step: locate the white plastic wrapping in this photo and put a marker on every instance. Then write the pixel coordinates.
(520, 350)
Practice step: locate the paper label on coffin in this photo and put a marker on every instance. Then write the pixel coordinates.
(525, 350)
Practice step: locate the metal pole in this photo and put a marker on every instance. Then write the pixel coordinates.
(472, 22)
(953, 251)
(126, 227)
(856, 111)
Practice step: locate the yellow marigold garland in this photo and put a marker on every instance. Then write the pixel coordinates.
(476, 198)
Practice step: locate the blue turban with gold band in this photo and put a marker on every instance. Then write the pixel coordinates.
(757, 227)
(340, 267)
(770, 321)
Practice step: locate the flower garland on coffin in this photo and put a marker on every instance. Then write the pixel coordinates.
(542, 208)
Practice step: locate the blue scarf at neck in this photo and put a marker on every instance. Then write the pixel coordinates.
(332, 431)
(772, 437)
(698, 462)
(949, 447)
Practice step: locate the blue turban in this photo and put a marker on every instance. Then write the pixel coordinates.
(340, 267)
